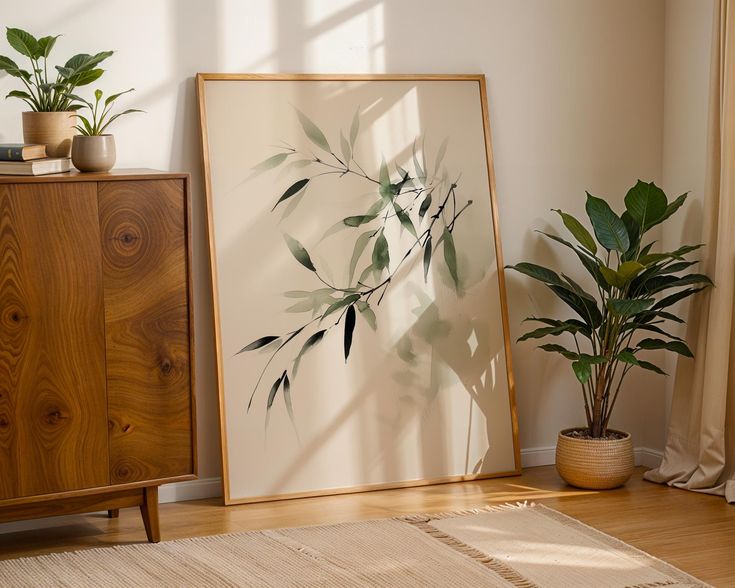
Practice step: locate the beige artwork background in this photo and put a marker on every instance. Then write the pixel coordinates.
(425, 395)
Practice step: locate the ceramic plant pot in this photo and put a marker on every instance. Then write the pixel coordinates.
(594, 464)
(93, 154)
(53, 129)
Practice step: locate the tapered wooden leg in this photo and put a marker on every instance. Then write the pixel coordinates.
(113, 513)
(149, 510)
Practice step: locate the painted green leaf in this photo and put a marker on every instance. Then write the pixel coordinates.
(427, 258)
(440, 154)
(354, 128)
(420, 174)
(356, 221)
(582, 370)
(406, 222)
(676, 346)
(298, 251)
(292, 190)
(341, 304)
(287, 399)
(646, 203)
(381, 253)
(360, 245)
(578, 231)
(386, 190)
(349, 330)
(274, 390)
(271, 162)
(425, 204)
(312, 341)
(258, 343)
(629, 307)
(367, 313)
(313, 132)
(450, 255)
(537, 272)
(609, 228)
(346, 149)
(23, 42)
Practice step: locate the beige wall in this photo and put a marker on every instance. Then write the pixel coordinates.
(576, 91)
(686, 101)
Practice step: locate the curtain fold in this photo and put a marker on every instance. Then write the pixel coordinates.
(700, 448)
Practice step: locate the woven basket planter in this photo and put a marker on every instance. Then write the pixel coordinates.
(594, 464)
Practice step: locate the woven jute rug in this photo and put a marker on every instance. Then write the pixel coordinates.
(521, 546)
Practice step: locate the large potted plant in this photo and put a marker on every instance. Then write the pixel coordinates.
(618, 320)
(52, 117)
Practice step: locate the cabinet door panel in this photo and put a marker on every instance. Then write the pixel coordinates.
(53, 412)
(143, 226)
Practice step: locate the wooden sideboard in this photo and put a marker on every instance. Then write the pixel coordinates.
(96, 343)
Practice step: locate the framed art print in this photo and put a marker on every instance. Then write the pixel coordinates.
(360, 309)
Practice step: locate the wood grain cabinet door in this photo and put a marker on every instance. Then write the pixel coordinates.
(145, 267)
(53, 409)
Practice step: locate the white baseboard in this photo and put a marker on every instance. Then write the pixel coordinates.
(190, 490)
(540, 456)
(530, 457)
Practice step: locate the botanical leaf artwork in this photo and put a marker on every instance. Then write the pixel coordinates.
(421, 202)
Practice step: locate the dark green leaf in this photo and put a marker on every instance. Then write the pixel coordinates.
(381, 254)
(584, 307)
(634, 234)
(425, 204)
(360, 245)
(647, 365)
(258, 343)
(629, 307)
(673, 207)
(83, 62)
(646, 203)
(86, 77)
(582, 370)
(292, 190)
(627, 356)
(676, 346)
(427, 258)
(23, 42)
(298, 251)
(551, 330)
(45, 45)
(637, 326)
(450, 255)
(660, 283)
(578, 231)
(537, 272)
(609, 228)
(577, 289)
(674, 298)
(684, 249)
(591, 263)
(313, 132)
(349, 329)
(554, 348)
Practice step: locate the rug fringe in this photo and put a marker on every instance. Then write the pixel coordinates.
(423, 523)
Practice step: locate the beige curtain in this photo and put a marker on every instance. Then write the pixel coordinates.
(700, 449)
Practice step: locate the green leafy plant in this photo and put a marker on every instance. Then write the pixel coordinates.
(633, 285)
(99, 121)
(422, 204)
(44, 92)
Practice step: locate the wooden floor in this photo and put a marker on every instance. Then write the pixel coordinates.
(691, 531)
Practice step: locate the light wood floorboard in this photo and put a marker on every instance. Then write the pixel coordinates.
(694, 532)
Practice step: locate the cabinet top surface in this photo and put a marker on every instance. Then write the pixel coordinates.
(111, 176)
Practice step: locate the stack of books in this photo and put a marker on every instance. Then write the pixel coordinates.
(19, 159)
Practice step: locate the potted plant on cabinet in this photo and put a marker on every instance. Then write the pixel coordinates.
(633, 288)
(93, 150)
(51, 119)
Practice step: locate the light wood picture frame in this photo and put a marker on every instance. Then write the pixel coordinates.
(360, 309)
